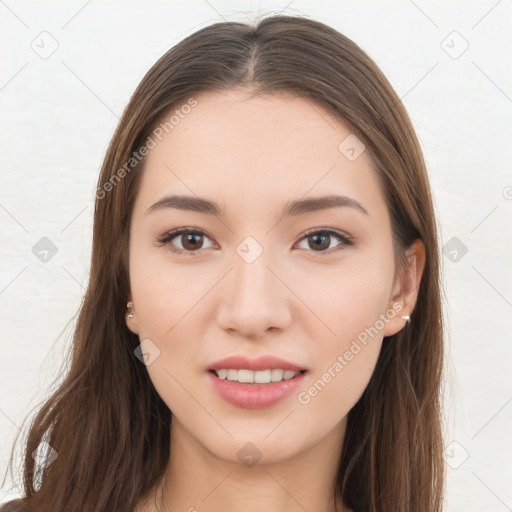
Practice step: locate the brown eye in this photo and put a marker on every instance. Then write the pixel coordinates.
(320, 240)
(188, 242)
(191, 241)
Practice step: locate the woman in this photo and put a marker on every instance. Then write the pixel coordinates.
(262, 324)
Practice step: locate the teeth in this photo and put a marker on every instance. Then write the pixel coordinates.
(259, 377)
(263, 377)
(222, 374)
(277, 375)
(245, 376)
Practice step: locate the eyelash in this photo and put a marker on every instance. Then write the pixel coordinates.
(166, 238)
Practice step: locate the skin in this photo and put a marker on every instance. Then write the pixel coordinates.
(251, 156)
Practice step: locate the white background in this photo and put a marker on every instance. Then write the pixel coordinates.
(59, 113)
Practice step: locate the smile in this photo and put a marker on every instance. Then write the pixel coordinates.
(256, 377)
(241, 388)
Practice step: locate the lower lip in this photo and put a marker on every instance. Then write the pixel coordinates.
(255, 396)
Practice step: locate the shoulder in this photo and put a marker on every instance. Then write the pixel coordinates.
(14, 506)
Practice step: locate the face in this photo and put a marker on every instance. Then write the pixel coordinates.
(306, 292)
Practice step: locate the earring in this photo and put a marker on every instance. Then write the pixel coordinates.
(407, 318)
(129, 305)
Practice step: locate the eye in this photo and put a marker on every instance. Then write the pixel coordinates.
(191, 240)
(320, 239)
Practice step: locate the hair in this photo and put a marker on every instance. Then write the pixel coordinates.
(105, 420)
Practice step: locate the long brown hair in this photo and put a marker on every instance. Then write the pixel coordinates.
(108, 425)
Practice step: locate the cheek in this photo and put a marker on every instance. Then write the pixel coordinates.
(335, 306)
(166, 295)
(332, 392)
(169, 302)
(352, 302)
(348, 297)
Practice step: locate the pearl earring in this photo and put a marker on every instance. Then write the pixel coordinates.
(129, 305)
(407, 318)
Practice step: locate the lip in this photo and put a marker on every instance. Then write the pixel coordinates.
(254, 396)
(261, 363)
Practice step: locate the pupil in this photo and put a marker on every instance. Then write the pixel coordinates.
(188, 239)
(322, 241)
(326, 238)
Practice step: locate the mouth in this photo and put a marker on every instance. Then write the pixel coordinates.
(245, 376)
(255, 384)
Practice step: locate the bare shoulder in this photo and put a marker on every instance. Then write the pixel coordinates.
(18, 505)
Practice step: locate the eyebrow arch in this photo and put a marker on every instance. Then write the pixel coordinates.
(293, 208)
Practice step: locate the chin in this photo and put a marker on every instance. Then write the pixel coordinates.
(266, 443)
(245, 452)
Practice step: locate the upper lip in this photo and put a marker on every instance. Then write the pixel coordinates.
(266, 362)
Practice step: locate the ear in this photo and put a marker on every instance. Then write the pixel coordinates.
(405, 291)
(131, 321)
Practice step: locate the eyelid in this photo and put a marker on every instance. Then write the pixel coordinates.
(345, 239)
(165, 239)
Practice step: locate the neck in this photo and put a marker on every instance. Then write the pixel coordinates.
(197, 481)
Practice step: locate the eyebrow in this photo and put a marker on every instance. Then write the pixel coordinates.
(291, 208)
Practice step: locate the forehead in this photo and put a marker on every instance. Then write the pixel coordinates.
(247, 151)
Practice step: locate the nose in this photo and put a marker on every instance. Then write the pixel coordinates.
(254, 299)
